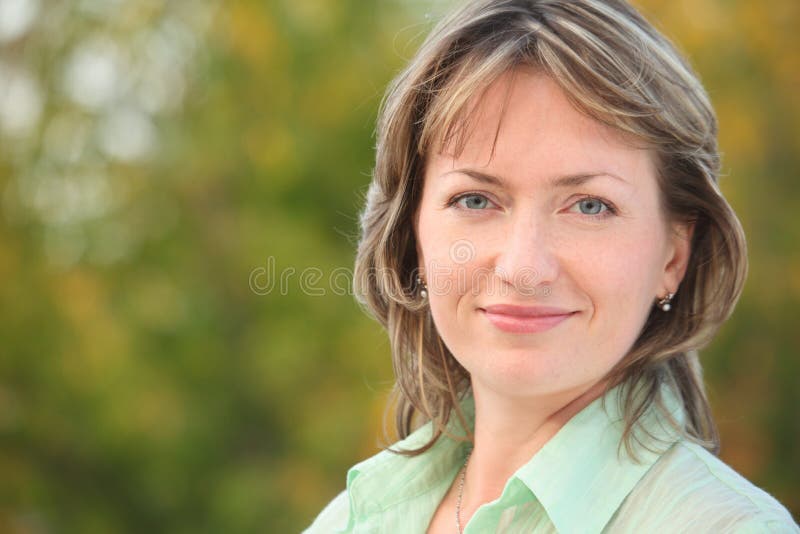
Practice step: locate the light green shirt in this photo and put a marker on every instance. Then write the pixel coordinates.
(576, 483)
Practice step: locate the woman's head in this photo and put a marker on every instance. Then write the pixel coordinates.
(543, 211)
(479, 78)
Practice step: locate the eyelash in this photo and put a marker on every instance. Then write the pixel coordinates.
(608, 212)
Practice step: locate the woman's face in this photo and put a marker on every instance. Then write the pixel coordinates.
(561, 220)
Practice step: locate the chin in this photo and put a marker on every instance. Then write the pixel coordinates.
(518, 372)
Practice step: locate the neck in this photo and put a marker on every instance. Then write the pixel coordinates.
(509, 432)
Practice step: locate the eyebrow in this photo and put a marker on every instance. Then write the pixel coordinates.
(569, 180)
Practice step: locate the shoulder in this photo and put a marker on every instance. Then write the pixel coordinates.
(689, 489)
(333, 518)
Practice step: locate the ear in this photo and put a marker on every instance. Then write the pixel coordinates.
(679, 253)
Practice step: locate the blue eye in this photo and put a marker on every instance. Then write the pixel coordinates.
(591, 206)
(594, 206)
(471, 201)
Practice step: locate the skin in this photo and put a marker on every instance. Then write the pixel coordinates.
(602, 249)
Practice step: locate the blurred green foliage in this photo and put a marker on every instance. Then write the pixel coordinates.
(158, 159)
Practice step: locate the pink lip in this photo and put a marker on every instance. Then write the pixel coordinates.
(525, 319)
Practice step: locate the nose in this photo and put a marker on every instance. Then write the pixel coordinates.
(527, 258)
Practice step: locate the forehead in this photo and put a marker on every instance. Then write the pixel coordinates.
(524, 121)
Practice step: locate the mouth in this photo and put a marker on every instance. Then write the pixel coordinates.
(524, 319)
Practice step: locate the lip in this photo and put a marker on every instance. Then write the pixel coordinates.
(525, 319)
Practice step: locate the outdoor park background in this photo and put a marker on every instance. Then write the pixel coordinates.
(156, 157)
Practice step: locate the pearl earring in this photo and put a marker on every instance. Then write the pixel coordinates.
(666, 303)
(423, 292)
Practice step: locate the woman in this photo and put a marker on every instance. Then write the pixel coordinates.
(546, 244)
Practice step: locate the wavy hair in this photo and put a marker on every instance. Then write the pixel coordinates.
(616, 68)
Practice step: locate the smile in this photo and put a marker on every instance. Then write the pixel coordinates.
(525, 320)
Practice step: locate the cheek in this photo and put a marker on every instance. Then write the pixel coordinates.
(447, 255)
(450, 297)
(620, 279)
(624, 265)
(454, 276)
(449, 278)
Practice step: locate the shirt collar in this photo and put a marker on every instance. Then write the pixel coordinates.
(580, 476)
(388, 478)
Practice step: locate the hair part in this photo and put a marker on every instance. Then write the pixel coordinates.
(617, 69)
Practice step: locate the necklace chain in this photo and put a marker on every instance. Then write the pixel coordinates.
(461, 480)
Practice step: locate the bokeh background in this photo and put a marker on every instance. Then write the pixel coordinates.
(162, 164)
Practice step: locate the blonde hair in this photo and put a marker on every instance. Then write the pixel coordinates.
(619, 70)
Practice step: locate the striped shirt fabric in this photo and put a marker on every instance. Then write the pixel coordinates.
(581, 481)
